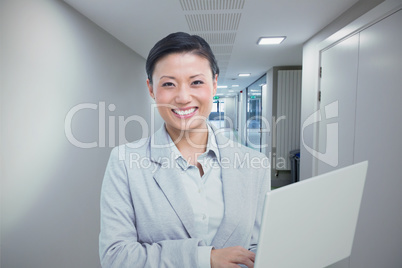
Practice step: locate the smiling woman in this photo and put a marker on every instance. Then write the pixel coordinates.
(186, 196)
(183, 88)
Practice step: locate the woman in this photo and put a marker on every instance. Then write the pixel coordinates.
(186, 196)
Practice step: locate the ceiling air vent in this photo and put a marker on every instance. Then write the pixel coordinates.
(222, 49)
(206, 5)
(218, 38)
(213, 22)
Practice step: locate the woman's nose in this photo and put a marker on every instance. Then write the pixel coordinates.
(183, 95)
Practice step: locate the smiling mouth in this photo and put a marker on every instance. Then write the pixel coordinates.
(185, 112)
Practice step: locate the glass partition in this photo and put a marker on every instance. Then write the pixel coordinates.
(217, 115)
(253, 116)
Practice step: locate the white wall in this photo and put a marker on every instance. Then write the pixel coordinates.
(372, 113)
(53, 59)
(310, 78)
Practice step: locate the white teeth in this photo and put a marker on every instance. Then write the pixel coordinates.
(184, 112)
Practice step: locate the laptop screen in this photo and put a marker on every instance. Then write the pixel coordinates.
(311, 223)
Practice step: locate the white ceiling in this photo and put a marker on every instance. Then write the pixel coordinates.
(232, 28)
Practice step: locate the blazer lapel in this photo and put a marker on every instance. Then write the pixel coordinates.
(233, 193)
(168, 178)
(233, 173)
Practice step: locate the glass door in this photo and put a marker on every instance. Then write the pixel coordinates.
(254, 116)
(217, 115)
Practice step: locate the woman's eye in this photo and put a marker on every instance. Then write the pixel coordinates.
(168, 84)
(198, 82)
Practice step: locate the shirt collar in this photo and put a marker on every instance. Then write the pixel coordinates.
(163, 140)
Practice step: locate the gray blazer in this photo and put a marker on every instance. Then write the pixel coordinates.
(146, 220)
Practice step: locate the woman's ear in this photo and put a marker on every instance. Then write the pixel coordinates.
(215, 85)
(150, 89)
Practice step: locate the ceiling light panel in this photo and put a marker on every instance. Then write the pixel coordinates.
(275, 40)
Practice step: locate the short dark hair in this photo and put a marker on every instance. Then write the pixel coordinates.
(177, 43)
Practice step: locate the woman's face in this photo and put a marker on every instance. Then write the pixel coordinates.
(183, 89)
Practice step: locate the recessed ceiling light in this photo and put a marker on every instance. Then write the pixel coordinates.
(235, 85)
(275, 40)
(244, 74)
(222, 86)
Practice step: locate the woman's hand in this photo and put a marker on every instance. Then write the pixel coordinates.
(231, 257)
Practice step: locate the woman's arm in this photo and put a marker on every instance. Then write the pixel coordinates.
(265, 187)
(118, 243)
(235, 256)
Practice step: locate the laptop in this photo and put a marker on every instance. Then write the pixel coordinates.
(311, 223)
